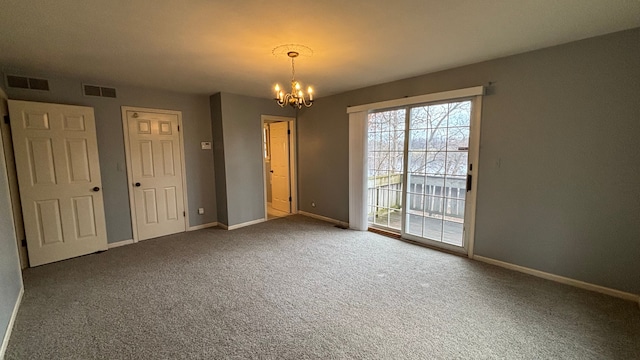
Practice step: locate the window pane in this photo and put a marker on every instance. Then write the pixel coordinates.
(458, 139)
(432, 228)
(381, 217)
(435, 162)
(457, 163)
(452, 233)
(414, 224)
(397, 138)
(460, 114)
(433, 206)
(455, 182)
(416, 183)
(416, 162)
(434, 183)
(417, 140)
(437, 116)
(437, 139)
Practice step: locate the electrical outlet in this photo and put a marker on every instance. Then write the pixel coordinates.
(313, 204)
(200, 211)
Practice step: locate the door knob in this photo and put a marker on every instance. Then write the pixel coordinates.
(271, 171)
(96, 189)
(137, 184)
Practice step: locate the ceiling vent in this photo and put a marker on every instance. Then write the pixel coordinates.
(21, 82)
(93, 90)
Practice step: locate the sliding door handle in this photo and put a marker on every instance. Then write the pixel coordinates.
(469, 182)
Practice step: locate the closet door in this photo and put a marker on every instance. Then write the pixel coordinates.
(59, 177)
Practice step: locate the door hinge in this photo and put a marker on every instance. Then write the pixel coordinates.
(23, 242)
(289, 198)
(7, 119)
(289, 132)
(178, 127)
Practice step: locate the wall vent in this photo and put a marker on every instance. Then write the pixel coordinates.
(93, 90)
(21, 82)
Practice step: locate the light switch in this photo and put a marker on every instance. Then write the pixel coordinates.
(205, 145)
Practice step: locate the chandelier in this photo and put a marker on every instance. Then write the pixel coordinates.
(296, 98)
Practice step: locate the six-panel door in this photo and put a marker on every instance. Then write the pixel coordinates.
(59, 177)
(156, 167)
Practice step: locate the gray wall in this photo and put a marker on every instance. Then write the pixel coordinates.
(218, 154)
(242, 133)
(10, 275)
(196, 120)
(564, 123)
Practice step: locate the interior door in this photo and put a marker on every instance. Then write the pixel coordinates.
(280, 185)
(59, 178)
(156, 168)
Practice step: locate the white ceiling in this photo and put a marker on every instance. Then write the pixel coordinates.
(206, 46)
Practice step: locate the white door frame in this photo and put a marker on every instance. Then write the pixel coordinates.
(12, 176)
(293, 161)
(127, 149)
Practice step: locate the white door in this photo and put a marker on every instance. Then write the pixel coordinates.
(155, 164)
(280, 187)
(59, 177)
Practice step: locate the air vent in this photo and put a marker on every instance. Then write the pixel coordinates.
(93, 90)
(21, 82)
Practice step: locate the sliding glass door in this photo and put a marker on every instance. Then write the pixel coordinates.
(437, 171)
(419, 187)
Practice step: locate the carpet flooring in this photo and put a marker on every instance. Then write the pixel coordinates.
(299, 288)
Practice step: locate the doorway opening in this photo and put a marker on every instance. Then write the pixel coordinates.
(279, 166)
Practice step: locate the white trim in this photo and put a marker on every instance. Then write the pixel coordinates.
(474, 159)
(241, 225)
(12, 181)
(358, 171)
(561, 279)
(445, 95)
(202, 226)
(293, 161)
(14, 314)
(120, 243)
(324, 218)
(127, 149)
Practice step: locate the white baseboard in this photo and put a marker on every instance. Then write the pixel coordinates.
(253, 222)
(324, 218)
(223, 226)
(561, 279)
(202, 226)
(7, 335)
(120, 243)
